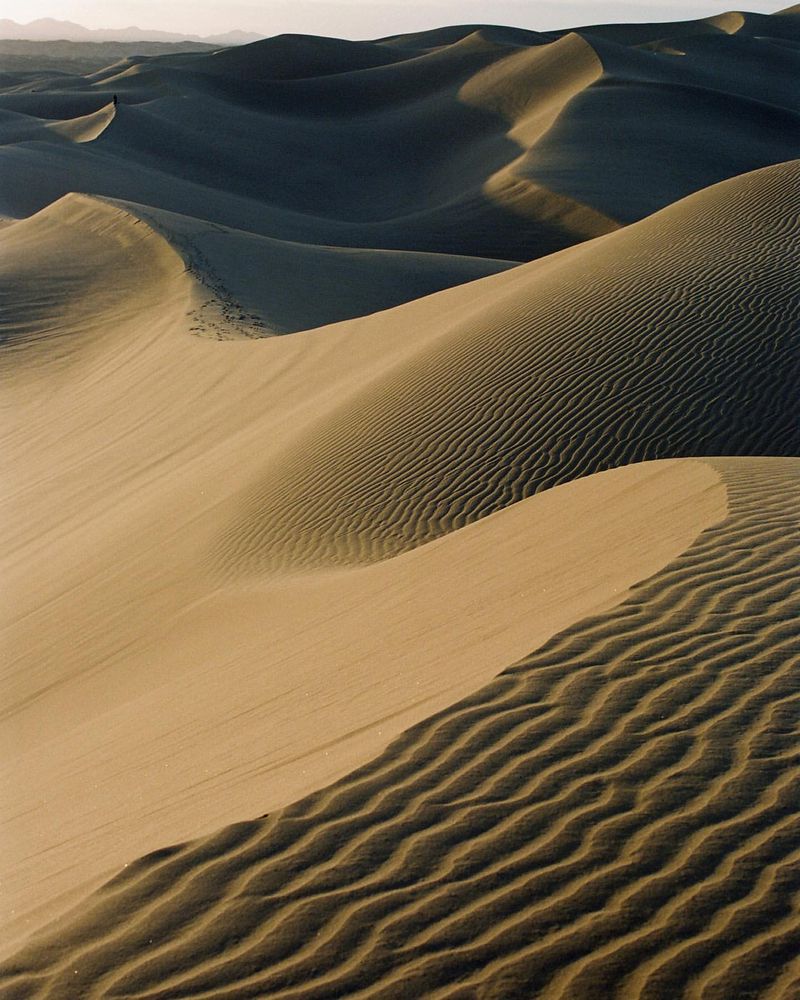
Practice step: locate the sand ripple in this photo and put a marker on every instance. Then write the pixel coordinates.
(616, 815)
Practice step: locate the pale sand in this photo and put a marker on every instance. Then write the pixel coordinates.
(235, 572)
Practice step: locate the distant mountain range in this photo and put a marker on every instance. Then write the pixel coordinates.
(47, 29)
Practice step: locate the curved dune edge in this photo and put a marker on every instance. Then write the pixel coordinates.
(263, 693)
(86, 128)
(79, 277)
(16, 128)
(615, 815)
(530, 88)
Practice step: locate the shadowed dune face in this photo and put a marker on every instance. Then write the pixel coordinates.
(614, 815)
(750, 132)
(530, 88)
(535, 393)
(389, 157)
(295, 57)
(781, 24)
(255, 286)
(416, 144)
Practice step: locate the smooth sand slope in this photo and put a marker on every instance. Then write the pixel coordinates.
(313, 428)
(618, 351)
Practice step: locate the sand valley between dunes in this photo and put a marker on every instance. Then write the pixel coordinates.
(400, 518)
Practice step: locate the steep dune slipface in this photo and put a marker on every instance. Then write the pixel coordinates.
(576, 160)
(257, 286)
(627, 145)
(530, 88)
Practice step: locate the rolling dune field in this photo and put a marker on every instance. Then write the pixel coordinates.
(401, 523)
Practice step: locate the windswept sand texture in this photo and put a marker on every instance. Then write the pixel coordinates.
(400, 445)
(615, 815)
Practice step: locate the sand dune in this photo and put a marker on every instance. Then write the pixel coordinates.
(16, 128)
(781, 24)
(258, 286)
(113, 631)
(432, 137)
(400, 440)
(235, 687)
(617, 809)
(614, 352)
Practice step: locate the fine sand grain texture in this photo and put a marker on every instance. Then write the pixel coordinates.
(399, 525)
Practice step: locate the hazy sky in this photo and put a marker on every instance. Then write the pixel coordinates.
(358, 18)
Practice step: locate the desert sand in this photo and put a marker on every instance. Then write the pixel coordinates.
(400, 518)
